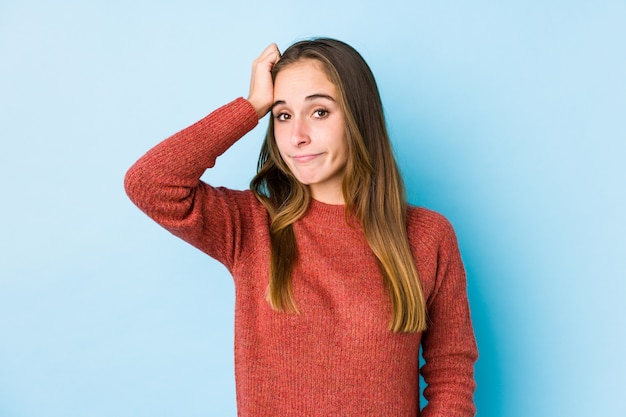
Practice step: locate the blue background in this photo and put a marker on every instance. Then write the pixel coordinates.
(509, 117)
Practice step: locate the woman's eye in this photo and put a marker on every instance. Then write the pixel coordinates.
(319, 113)
(281, 117)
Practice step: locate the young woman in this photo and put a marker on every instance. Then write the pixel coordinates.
(338, 281)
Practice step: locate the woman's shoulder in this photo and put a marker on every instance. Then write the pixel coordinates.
(428, 226)
(425, 217)
(244, 200)
(245, 197)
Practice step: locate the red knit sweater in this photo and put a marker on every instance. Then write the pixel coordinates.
(338, 357)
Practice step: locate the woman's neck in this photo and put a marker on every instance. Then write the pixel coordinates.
(327, 195)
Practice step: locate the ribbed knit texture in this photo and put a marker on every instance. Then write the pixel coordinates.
(338, 357)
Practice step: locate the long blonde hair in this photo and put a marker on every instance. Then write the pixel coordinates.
(372, 186)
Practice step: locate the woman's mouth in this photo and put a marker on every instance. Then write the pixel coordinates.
(305, 158)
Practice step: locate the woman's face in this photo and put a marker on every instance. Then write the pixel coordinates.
(309, 129)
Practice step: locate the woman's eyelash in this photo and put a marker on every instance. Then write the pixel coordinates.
(319, 112)
(322, 110)
(281, 116)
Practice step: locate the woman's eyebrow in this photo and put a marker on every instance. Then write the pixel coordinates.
(277, 103)
(307, 98)
(314, 96)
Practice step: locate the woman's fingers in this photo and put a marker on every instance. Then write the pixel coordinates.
(261, 86)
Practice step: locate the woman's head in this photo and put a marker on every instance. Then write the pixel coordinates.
(357, 98)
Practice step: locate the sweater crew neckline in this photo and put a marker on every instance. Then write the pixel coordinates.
(327, 215)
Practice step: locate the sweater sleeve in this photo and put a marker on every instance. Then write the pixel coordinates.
(165, 182)
(448, 345)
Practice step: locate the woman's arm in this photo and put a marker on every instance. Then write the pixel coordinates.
(448, 346)
(165, 182)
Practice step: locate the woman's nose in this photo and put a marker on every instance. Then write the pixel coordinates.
(299, 133)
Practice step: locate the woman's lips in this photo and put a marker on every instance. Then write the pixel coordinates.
(305, 158)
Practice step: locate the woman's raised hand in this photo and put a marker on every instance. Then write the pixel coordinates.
(261, 86)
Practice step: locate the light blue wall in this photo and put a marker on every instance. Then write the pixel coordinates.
(509, 117)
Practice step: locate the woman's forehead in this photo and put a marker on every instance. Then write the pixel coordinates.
(303, 80)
